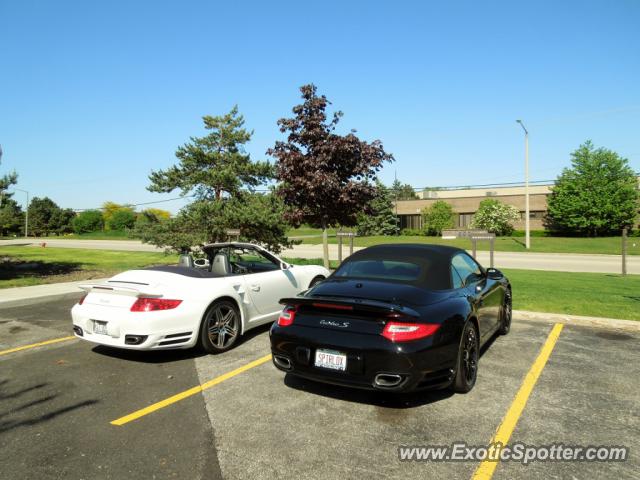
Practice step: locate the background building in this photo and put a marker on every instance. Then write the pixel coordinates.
(466, 200)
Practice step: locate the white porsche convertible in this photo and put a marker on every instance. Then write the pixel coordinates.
(211, 304)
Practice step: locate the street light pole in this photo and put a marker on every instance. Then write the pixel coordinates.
(527, 228)
(26, 213)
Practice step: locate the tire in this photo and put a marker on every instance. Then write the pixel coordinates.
(316, 281)
(506, 312)
(467, 364)
(220, 327)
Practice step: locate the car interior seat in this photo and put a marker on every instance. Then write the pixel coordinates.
(221, 264)
(186, 261)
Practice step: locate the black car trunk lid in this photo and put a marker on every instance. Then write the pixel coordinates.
(348, 314)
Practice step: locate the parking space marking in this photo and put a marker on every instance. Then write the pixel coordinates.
(34, 345)
(187, 393)
(486, 469)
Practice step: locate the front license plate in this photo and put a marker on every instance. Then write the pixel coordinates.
(100, 327)
(331, 359)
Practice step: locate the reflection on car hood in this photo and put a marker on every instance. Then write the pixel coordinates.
(392, 292)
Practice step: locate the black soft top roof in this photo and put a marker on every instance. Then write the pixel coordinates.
(434, 261)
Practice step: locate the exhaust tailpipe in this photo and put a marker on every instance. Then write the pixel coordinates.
(282, 362)
(387, 380)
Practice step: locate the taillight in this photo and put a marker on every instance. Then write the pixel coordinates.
(81, 301)
(405, 332)
(287, 316)
(144, 304)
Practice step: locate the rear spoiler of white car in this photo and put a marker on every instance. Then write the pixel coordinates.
(119, 290)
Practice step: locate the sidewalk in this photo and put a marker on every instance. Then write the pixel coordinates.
(13, 297)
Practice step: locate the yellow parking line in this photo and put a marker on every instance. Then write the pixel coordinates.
(503, 433)
(187, 393)
(34, 345)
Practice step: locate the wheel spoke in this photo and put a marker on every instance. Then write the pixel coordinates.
(228, 317)
(220, 339)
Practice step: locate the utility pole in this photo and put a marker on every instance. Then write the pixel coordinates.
(527, 228)
(26, 213)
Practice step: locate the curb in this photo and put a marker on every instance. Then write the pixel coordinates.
(19, 296)
(23, 302)
(598, 322)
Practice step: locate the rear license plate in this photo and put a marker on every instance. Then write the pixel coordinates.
(100, 327)
(331, 359)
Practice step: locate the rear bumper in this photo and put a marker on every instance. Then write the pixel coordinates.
(421, 364)
(164, 330)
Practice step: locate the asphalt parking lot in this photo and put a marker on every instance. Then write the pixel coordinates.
(58, 402)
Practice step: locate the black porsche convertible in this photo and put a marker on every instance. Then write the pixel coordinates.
(395, 317)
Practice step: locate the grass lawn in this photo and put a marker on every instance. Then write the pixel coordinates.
(106, 235)
(36, 265)
(590, 294)
(604, 245)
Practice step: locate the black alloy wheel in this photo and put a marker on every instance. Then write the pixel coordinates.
(468, 355)
(506, 313)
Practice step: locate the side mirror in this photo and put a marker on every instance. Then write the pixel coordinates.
(284, 266)
(494, 274)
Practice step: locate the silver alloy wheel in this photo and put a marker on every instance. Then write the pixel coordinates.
(222, 325)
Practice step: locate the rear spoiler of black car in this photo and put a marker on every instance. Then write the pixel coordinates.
(357, 304)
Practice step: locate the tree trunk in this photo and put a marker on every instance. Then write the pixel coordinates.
(325, 247)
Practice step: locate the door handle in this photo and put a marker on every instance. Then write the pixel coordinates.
(255, 288)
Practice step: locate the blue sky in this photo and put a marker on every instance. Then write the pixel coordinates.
(93, 95)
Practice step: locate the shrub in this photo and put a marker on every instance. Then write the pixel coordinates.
(495, 217)
(88, 221)
(412, 232)
(122, 219)
(437, 217)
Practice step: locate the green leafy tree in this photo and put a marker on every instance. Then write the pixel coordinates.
(11, 217)
(216, 164)
(325, 179)
(88, 221)
(495, 217)
(597, 196)
(382, 219)
(62, 220)
(437, 217)
(400, 191)
(108, 209)
(223, 178)
(148, 224)
(42, 216)
(159, 213)
(259, 217)
(121, 219)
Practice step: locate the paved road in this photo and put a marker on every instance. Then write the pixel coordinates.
(56, 403)
(534, 261)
